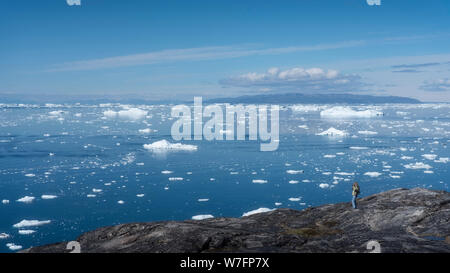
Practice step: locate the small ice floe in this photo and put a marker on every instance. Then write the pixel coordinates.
(303, 127)
(140, 195)
(30, 175)
(429, 156)
(176, 178)
(13, 246)
(442, 160)
(278, 204)
(212, 179)
(342, 112)
(358, 148)
(417, 165)
(31, 223)
(5, 201)
(4, 236)
(120, 202)
(91, 195)
(202, 217)
(324, 185)
(203, 200)
(164, 145)
(306, 181)
(166, 172)
(394, 176)
(256, 211)
(344, 173)
(326, 173)
(406, 157)
(333, 132)
(26, 231)
(293, 182)
(428, 172)
(132, 114)
(372, 174)
(329, 156)
(145, 131)
(48, 196)
(294, 171)
(295, 199)
(140, 164)
(259, 181)
(26, 199)
(96, 190)
(368, 133)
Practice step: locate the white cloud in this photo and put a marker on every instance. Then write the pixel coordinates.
(439, 85)
(297, 78)
(193, 54)
(73, 2)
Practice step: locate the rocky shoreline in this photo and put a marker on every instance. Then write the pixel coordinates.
(399, 220)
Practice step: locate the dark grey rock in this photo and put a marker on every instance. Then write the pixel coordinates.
(400, 220)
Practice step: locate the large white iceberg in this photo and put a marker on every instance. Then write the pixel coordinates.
(333, 132)
(31, 223)
(164, 145)
(348, 112)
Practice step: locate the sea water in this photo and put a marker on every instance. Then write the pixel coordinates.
(68, 169)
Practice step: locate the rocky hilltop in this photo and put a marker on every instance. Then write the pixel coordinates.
(400, 220)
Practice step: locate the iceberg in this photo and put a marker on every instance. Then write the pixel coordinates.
(256, 211)
(164, 145)
(347, 112)
(333, 132)
(31, 223)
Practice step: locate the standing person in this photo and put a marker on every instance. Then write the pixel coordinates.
(355, 192)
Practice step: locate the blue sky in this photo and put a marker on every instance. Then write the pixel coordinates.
(177, 49)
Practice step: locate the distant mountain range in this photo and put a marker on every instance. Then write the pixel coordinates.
(314, 98)
(269, 98)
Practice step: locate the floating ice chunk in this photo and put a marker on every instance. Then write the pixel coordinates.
(417, 165)
(31, 223)
(48, 196)
(13, 247)
(176, 178)
(97, 190)
(326, 173)
(406, 157)
(303, 127)
(5, 201)
(129, 114)
(367, 133)
(295, 199)
(372, 174)
(256, 211)
(293, 182)
(30, 175)
(164, 145)
(442, 160)
(429, 156)
(294, 171)
(166, 172)
(348, 112)
(121, 202)
(26, 231)
(329, 156)
(26, 199)
(203, 200)
(358, 148)
(202, 217)
(278, 204)
(428, 171)
(394, 176)
(259, 181)
(306, 181)
(91, 195)
(4, 236)
(333, 132)
(145, 131)
(324, 185)
(140, 195)
(344, 173)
